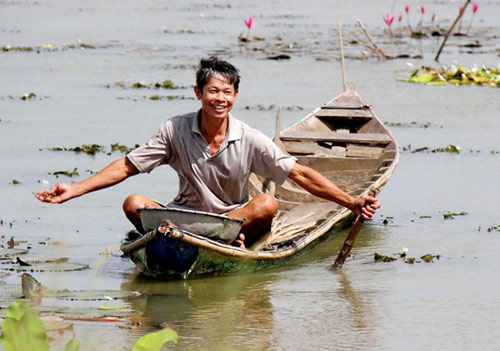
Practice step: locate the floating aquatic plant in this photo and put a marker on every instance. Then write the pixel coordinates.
(93, 149)
(455, 75)
(166, 84)
(451, 215)
(72, 173)
(47, 47)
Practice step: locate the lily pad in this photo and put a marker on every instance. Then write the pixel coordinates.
(42, 266)
(9, 253)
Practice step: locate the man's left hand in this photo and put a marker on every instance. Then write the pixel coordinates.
(366, 206)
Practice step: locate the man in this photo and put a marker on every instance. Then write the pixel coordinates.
(214, 155)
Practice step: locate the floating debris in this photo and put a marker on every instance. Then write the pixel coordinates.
(411, 124)
(451, 215)
(455, 75)
(28, 96)
(15, 182)
(429, 258)
(410, 260)
(493, 228)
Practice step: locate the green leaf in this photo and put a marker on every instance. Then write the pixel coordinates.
(154, 341)
(17, 309)
(25, 333)
(421, 78)
(72, 345)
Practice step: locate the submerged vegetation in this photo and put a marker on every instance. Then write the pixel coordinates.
(455, 75)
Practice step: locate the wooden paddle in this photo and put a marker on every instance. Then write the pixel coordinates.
(348, 243)
(351, 237)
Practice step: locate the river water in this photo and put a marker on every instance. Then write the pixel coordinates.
(451, 303)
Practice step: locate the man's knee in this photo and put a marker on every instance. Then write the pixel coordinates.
(135, 201)
(268, 205)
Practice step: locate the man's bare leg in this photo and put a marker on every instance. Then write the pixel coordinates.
(130, 206)
(259, 214)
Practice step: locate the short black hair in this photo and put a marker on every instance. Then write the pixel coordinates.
(212, 66)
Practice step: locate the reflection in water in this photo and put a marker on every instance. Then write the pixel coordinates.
(214, 313)
(362, 320)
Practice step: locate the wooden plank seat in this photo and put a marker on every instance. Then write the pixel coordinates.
(362, 138)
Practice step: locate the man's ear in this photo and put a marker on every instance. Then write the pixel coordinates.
(197, 92)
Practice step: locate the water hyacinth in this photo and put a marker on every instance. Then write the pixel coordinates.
(455, 75)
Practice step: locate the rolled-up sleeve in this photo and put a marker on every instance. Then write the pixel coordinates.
(155, 152)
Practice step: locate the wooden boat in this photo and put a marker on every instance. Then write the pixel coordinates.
(343, 139)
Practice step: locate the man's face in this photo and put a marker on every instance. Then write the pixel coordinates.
(217, 97)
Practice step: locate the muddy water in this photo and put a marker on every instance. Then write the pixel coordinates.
(451, 303)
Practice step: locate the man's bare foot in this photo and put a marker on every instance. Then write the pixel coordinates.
(240, 241)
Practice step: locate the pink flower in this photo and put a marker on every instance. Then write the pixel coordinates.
(389, 18)
(407, 8)
(250, 22)
(422, 9)
(475, 7)
(461, 9)
(400, 18)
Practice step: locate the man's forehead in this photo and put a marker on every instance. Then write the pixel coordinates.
(219, 79)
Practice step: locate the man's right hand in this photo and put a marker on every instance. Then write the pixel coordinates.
(59, 193)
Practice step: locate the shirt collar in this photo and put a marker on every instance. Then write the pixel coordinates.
(234, 127)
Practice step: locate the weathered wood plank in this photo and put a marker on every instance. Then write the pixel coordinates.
(363, 151)
(305, 148)
(344, 114)
(369, 138)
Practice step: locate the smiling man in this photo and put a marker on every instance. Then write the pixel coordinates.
(213, 154)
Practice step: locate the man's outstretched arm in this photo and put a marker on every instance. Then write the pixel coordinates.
(318, 185)
(112, 174)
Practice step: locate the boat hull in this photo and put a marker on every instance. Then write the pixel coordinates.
(169, 258)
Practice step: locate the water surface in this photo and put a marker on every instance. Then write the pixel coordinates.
(451, 303)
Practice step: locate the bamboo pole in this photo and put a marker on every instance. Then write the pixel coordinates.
(460, 14)
(342, 55)
(377, 48)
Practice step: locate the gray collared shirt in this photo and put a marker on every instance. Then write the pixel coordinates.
(213, 183)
